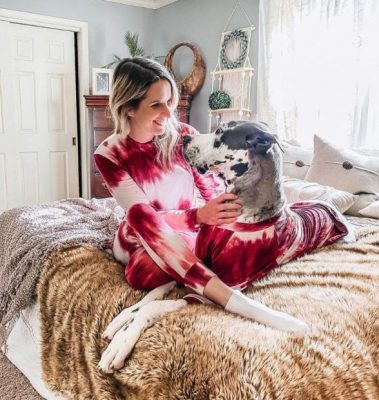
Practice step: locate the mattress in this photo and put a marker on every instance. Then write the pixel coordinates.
(24, 350)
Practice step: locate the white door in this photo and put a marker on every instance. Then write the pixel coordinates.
(38, 120)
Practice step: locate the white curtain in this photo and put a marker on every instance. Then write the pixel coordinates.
(318, 70)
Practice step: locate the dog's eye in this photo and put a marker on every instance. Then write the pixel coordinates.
(219, 162)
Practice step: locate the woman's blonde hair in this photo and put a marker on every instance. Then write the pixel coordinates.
(132, 79)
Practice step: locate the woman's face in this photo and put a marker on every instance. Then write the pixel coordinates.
(150, 117)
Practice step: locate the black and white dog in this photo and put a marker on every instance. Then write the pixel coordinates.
(268, 233)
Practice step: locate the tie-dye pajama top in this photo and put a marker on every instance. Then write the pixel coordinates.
(156, 239)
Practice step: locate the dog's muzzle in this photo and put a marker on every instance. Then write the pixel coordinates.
(187, 155)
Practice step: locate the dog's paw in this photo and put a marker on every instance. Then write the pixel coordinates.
(119, 348)
(125, 339)
(118, 322)
(129, 313)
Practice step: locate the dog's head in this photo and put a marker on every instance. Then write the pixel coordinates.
(235, 147)
(248, 158)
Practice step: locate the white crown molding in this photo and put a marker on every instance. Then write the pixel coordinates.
(154, 4)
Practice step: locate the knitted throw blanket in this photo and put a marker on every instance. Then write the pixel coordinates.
(29, 234)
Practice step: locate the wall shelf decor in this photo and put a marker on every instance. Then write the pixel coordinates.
(219, 100)
(233, 74)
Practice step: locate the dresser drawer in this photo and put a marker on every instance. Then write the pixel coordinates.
(99, 135)
(98, 187)
(102, 118)
(101, 126)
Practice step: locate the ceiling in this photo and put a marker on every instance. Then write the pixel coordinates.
(154, 4)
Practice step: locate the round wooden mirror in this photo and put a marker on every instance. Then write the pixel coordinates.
(193, 82)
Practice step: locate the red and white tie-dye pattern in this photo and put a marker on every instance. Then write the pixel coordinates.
(240, 253)
(158, 232)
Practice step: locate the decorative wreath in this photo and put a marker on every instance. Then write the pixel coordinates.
(242, 37)
(219, 99)
(193, 82)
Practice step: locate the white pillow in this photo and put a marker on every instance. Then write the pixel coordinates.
(363, 200)
(298, 190)
(371, 210)
(296, 160)
(343, 169)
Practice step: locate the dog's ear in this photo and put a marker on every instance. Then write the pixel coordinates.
(223, 126)
(264, 124)
(228, 125)
(233, 124)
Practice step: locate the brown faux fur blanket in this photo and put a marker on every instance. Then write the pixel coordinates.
(202, 352)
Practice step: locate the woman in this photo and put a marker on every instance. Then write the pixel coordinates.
(143, 166)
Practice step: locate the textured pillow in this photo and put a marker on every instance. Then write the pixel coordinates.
(363, 200)
(371, 210)
(343, 169)
(298, 190)
(296, 160)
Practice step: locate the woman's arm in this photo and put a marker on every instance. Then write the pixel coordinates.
(119, 183)
(127, 194)
(219, 207)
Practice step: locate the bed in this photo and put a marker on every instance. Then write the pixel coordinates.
(58, 275)
(199, 352)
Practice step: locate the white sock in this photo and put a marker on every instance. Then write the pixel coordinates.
(246, 307)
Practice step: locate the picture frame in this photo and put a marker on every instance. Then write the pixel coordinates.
(101, 81)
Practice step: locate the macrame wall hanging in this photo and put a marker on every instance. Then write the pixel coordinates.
(230, 98)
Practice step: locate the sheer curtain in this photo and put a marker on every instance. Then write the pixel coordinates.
(318, 70)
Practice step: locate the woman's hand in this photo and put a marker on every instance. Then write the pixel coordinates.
(217, 211)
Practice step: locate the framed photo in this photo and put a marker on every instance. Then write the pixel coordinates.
(101, 80)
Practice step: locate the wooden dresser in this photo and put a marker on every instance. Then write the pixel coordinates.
(101, 126)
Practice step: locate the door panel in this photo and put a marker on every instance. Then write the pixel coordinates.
(38, 157)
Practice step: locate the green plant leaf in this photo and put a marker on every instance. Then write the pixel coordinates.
(131, 41)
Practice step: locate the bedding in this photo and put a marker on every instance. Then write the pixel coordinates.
(202, 352)
(343, 169)
(296, 160)
(29, 234)
(299, 190)
(372, 210)
(354, 171)
(363, 200)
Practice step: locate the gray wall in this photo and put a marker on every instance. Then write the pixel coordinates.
(201, 23)
(197, 21)
(107, 23)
